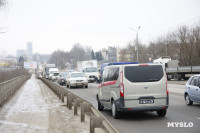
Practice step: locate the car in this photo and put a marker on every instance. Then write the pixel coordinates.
(192, 90)
(62, 78)
(130, 87)
(54, 76)
(52, 71)
(76, 79)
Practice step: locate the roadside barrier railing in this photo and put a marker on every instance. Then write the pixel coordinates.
(97, 120)
(8, 88)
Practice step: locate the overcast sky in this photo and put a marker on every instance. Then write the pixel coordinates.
(58, 24)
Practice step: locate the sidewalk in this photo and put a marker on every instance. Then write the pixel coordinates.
(36, 109)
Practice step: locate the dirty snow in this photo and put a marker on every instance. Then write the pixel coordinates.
(37, 109)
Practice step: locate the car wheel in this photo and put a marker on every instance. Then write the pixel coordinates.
(115, 113)
(70, 86)
(100, 107)
(162, 113)
(187, 100)
(67, 85)
(86, 86)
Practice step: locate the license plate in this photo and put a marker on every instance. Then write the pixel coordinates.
(79, 84)
(150, 101)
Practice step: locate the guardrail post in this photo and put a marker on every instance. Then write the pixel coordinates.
(69, 101)
(62, 98)
(95, 122)
(85, 108)
(77, 103)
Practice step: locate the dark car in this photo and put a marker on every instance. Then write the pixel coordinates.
(192, 91)
(62, 78)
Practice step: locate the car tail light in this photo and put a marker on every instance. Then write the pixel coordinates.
(121, 85)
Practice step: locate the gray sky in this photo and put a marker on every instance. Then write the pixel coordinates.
(59, 24)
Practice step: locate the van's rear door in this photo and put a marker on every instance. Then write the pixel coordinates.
(142, 81)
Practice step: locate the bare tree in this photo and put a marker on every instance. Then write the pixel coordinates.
(59, 58)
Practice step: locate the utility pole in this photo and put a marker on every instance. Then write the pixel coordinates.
(136, 48)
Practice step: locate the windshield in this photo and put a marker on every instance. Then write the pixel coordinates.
(75, 75)
(144, 73)
(92, 69)
(56, 74)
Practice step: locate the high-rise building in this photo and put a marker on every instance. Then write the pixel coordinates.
(29, 49)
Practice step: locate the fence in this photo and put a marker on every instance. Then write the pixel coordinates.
(7, 88)
(97, 120)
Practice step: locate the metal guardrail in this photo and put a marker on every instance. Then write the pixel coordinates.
(97, 120)
(7, 88)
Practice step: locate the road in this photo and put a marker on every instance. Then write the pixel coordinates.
(148, 122)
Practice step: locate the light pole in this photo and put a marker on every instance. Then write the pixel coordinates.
(136, 48)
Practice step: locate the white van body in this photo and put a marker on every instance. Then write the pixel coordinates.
(133, 87)
(52, 71)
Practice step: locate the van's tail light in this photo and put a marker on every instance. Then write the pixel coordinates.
(121, 85)
(166, 83)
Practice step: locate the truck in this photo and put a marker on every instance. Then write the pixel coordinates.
(46, 68)
(174, 71)
(89, 68)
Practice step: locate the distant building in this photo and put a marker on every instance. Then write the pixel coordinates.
(112, 54)
(29, 49)
(4, 53)
(21, 52)
(104, 54)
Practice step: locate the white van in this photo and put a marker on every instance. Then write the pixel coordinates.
(133, 87)
(51, 73)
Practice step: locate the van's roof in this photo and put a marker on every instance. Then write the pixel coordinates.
(144, 64)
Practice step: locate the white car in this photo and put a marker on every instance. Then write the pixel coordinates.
(55, 76)
(76, 79)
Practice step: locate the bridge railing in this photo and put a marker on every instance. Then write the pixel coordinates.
(8, 88)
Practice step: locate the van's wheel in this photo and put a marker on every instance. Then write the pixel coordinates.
(86, 86)
(115, 113)
(100, 107)
(162, 113)
(187, 100)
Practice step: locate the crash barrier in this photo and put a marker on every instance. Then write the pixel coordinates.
(97, 120)
(8, 88)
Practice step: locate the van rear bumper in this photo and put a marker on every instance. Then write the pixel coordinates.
(135, 109)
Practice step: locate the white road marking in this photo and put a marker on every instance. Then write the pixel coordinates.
(198, 118)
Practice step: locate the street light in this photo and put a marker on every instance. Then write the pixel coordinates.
(136, 48)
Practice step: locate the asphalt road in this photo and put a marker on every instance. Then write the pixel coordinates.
(149, 122)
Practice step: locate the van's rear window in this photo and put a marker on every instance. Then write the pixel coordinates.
(149, 73)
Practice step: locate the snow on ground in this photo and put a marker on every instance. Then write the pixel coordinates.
(37, 109)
